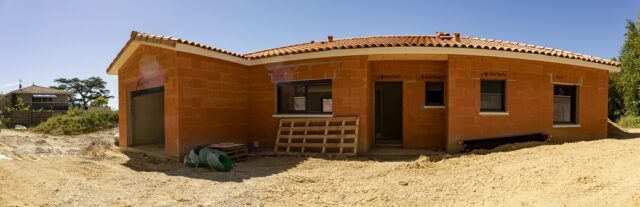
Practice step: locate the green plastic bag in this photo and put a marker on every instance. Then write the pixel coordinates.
(210, 158)
(225, 160)
(204, 156)
(193, 160)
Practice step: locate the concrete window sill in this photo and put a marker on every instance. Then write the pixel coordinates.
(434, 107)
(566, 126)
(302, 115)
(494, 113)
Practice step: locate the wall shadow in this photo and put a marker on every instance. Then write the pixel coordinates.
(617, 132)
(263, 166)
(255, 166)
(260, 166)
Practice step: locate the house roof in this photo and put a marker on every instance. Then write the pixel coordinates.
(172, 41)
(38, 90)
(425, 41)
(440, 40)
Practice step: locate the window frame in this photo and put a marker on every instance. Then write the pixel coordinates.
(503, 97)
(41, 100)
(38, 103)
(574, 104)
(426, 91)
(305, 84)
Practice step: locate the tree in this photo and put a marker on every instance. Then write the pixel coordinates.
(83, 91)
(99, 102)
(630, 74)
(616, 102)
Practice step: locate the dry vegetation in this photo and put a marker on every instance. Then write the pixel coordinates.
(88, 170)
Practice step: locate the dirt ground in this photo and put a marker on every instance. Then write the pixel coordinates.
(89, 170)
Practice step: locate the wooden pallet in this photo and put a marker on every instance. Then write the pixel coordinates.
(237, 152)
(307, 136)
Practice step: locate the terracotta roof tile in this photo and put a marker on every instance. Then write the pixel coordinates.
(168, 40)
(442, 40)
(425, 41)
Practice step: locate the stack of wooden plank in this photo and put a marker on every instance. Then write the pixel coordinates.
(307, 136)
(237, 152)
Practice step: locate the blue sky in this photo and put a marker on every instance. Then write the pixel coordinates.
(44, 40)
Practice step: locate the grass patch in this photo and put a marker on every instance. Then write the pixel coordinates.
(629, 122)
(78, 121)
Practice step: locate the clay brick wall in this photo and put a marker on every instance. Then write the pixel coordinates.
(529, 99)
(209, 100)
(262, 101)
(213, 103)
(151, 67)
(350, 88)
(593, 94)
(422, 127)
(206, 99)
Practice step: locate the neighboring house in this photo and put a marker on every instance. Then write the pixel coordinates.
(424, 92)
(39, 98)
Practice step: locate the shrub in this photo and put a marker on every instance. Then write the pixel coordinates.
(77, 121)
(629, 122)
(5, 122)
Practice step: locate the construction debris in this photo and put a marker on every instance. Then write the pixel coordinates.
(237, 152)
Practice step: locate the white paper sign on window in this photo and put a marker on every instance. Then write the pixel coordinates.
(299, 103)
(327, 105)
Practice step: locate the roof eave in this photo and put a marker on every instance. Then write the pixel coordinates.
(172, 44)
(176, 44)
(128, 50)
(433, 50)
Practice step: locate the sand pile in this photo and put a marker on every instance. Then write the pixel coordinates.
(590, 173)
(101, 149)
(421, 163)
(27, 145)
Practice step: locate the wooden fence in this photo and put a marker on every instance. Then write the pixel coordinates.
(30, 118)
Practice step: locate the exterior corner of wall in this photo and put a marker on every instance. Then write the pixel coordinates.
(453, 146)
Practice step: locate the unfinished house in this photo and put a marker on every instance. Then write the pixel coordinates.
(415, 92)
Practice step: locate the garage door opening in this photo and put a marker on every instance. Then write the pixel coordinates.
(146, 124)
